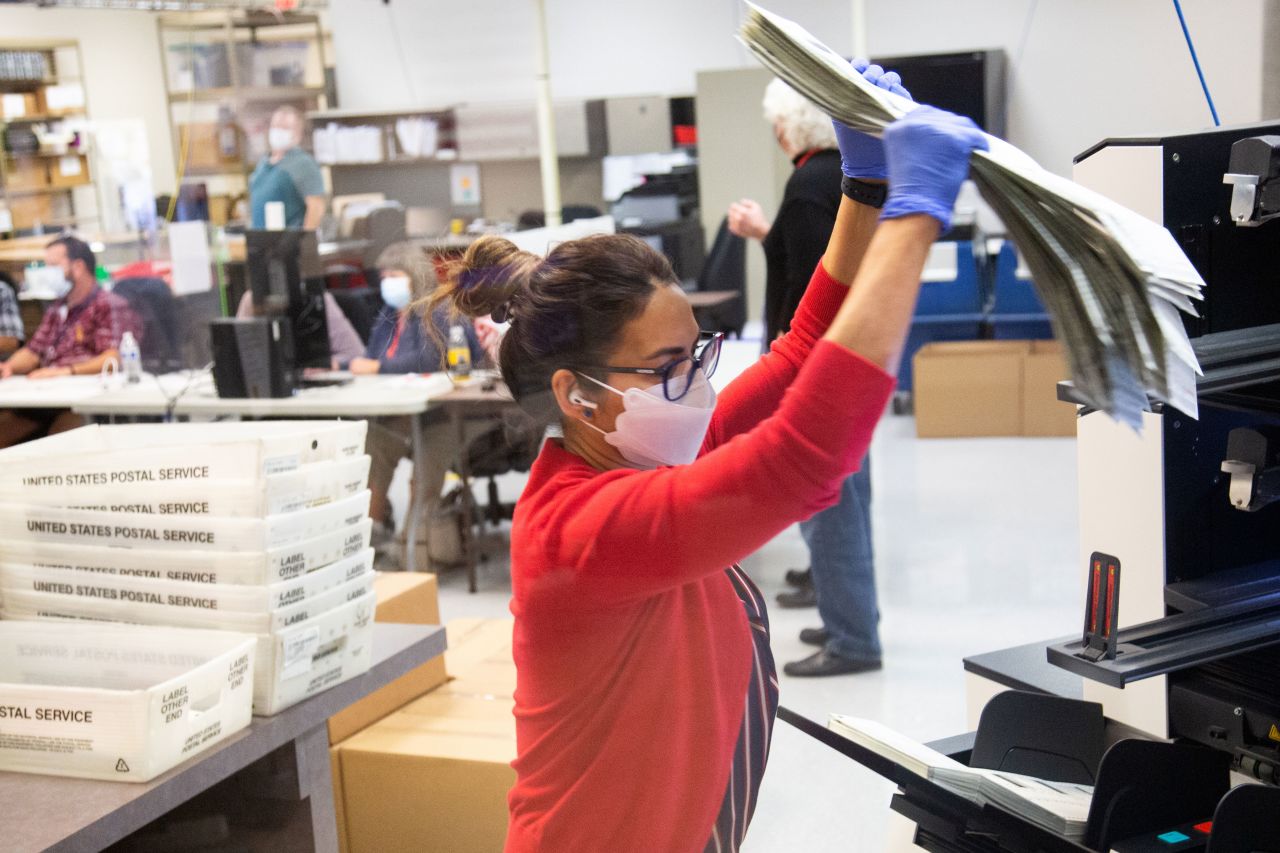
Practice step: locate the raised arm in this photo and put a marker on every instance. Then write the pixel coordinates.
(628, 534)
(756, 394)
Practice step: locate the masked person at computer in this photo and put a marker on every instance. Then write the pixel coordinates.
(401, 342)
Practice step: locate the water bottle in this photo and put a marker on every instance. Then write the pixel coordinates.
(130, 357)
(458, 354)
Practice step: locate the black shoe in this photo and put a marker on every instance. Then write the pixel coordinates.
(803, 597)
(800, 577)
(824, 662)
(814, 636)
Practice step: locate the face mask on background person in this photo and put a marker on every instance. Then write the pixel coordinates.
(395, 291)
(60, 284)
(280, 138)
(652, 430)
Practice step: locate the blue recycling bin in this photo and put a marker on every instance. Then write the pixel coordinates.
(947, 310)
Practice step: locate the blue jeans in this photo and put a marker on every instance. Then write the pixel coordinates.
(844, 576)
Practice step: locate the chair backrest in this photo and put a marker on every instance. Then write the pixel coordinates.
(361, 305)
(537, 219)
(153, 303)
(726, 269)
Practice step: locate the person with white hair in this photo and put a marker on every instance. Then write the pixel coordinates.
(841, 577)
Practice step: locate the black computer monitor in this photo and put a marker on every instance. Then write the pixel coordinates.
(971, 83)
(285, 279)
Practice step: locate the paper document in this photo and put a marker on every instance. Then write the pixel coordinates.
(1112, 281)
(1061, 807)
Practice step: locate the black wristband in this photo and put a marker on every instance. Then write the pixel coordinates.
(872, 195)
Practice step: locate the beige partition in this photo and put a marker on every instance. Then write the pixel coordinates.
(737, 158)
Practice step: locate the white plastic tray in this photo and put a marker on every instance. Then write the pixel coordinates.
(204, 567)
(307, 486)
(311, 656)
(30, 523)
(118, 702)
(198, 611)
(237, 598)
(151, 454)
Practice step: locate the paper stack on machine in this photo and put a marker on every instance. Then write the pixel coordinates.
(1111, 280)
(257, 528)
(118, 702)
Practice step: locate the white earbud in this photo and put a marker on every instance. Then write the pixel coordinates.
(578, 400)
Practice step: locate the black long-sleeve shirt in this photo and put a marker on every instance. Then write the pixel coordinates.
(799, 235)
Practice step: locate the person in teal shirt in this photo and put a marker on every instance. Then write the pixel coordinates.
(287, 174)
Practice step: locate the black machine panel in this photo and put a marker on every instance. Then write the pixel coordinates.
(1240, 265)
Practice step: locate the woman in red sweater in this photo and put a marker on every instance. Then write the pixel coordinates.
(646, 692)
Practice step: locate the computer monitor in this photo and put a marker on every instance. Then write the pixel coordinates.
(286, 279)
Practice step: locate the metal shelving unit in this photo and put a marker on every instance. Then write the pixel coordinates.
(226, 72)
(53, 200)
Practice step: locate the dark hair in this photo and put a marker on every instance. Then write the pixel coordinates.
(77, 250)
(566, 311)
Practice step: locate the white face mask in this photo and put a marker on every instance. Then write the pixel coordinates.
(280, 138)
(60, 284)
(395, 291)
(652, 430)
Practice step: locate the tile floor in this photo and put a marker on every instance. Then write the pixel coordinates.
(976, 550)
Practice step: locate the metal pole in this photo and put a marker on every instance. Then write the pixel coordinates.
(858, 14)
(546, 123)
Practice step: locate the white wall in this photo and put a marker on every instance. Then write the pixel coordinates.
(122, 69)
(1088, 68)
(484, 50)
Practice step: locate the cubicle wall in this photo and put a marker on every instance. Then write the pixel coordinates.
(738, 158)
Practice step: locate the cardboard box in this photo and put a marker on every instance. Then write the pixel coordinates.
(69, 170)
(417, 782)
(204, 150)
(26, 173)
(969, 388)
(1043, 414)
(19, 104)
(335, 765)
(29, 210)
(476, 641)
(407, 598)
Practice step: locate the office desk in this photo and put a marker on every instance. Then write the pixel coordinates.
(62, 392)
(192, 395)
(71, 815)
(468, 402)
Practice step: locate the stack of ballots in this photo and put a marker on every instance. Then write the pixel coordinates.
(259, 528)
(1112, 281)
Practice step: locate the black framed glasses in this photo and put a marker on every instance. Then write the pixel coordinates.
(677, 375)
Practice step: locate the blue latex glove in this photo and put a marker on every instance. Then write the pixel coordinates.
(861, 155)
(928, 155)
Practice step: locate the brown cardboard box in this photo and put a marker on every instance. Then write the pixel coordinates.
(969, 388)
(475, 641)
(1042, 412)
(28, 210)
(26, 173)
(203, 149)
(403, 597)
(335, 764)
(19, 104)
(417, 783)
(71, 170)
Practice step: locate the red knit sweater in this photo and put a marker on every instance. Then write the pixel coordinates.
(631, 647)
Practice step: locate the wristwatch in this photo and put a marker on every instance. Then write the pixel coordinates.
(863, 192)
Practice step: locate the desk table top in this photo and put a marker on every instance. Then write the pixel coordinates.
(60, 814)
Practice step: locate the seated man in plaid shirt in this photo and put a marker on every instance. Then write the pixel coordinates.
(78, 335)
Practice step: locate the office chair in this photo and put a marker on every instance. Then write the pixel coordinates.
(538, 219)
(726, 269)
(153, 303)
(361, 305)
